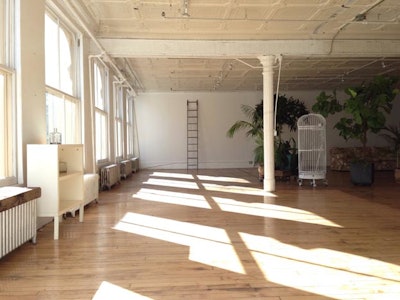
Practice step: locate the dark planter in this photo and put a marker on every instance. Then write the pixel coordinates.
(293, 163)
(362, 173)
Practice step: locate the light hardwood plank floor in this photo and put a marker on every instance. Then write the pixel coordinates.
(214, 234)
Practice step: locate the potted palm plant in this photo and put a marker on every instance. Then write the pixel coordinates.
(254, 129)
(288, 111)
(364, 111)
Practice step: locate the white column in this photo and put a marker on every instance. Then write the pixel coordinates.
(267, 62)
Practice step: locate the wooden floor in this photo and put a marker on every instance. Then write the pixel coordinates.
(214, 234)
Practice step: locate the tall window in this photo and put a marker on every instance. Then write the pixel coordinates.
(119, 123)
(100, 92)
(129, 126)
(7, 101)
(3, 24)
(62, 101)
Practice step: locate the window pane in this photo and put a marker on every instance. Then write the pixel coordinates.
(101, 113)
(59, 56)
(63, 108)
(2, 31)
(101, 137)
(8, 167)
(72, 124)
(129, 127)
(55, 115)
(3, 127)
(63, 115)
(119, 142)
(51, 49)
(99, 87)
(66, 67)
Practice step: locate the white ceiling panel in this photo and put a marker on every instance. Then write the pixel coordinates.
(349, 41)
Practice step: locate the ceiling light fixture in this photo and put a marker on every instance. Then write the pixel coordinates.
(360, 17)
(185, 9)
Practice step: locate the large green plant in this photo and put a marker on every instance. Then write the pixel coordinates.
(253, 127)
(365, 108)
(392, 134)
(288, 111)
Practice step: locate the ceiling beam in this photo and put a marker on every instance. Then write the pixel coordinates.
(248, 49)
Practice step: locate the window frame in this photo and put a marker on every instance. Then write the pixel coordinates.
(69, 125)
(102, 112)
(130, 152)
(71, 131)
(119, 119)
(8, 172)
(8, 141)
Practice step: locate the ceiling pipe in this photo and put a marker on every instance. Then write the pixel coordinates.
(355, 70)
(133, 74)
(359, 18)
(103, 54)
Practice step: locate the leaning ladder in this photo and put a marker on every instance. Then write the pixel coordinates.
(192, 134)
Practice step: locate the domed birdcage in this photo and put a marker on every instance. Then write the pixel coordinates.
(311, 142)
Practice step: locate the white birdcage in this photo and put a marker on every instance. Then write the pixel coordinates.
(311, 142)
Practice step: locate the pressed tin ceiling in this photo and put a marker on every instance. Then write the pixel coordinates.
(203, 45)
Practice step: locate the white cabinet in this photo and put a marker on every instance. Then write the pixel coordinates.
(61, 191)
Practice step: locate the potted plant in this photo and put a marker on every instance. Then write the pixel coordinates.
(392, 135)
(288, 111)
(364, 111)
(254, 128)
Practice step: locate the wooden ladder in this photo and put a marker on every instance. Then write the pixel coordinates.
(192, 135)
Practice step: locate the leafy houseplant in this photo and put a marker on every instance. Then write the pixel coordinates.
(392, 135)
(288, 111)
(364, 111)
(254, 128)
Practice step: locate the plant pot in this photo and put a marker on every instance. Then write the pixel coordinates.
(397, 175)
(260, 173)
(362, 173)
(293, 164)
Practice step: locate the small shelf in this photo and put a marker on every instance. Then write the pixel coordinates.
(68, 205)
(61, 192)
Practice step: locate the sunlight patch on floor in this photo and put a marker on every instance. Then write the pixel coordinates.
(222, 179)
(208, 245)
(272, 211)
(322, 271)
(108, 291)
(236, 190)
(172, 175)
(186, 199)
(173, 183)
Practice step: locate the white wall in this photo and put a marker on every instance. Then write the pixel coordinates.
(30, 70)
(161, 121)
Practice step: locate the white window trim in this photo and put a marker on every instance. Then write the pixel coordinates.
(119, 120)
(104, 112)
(9, 136)
(9, 145)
